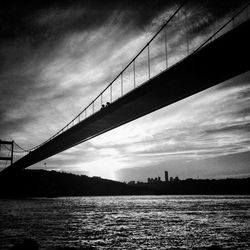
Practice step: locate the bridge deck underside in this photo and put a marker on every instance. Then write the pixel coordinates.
(220, 60)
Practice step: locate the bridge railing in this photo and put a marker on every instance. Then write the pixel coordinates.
(187, 30)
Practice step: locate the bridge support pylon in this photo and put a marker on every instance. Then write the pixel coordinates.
(7, 158)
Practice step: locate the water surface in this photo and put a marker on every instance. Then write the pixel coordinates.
(128, 222)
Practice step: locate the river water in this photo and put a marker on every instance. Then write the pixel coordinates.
(128, 222)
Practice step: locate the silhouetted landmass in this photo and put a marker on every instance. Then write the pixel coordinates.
(41, 183)
(199, 187)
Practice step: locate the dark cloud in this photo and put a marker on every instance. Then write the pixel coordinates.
(42, 19)
(231, 128)
(54, 54)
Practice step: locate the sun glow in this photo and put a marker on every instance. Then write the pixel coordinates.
(104, 168)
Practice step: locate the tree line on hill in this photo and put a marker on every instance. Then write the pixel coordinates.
(41, 183)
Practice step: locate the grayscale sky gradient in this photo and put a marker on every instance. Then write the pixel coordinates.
(56, 56)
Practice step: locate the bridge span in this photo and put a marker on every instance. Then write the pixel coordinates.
(221, 59)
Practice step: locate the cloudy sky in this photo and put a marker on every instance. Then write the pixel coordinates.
(56, 56)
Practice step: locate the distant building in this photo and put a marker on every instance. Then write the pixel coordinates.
(166, 176)
(176, 178)
(156, 179)
(140, 182)
(171, 179)
(131, 183)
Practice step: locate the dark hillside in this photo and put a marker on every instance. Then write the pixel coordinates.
(41, 183)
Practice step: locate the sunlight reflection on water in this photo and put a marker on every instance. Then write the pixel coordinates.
(128, 222)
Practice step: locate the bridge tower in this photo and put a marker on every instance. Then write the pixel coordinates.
(8, 158)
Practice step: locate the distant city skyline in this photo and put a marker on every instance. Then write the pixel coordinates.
(57, 58)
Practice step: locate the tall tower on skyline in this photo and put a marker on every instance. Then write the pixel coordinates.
(166, 176)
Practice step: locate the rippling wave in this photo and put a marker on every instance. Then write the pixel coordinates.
(128, 222)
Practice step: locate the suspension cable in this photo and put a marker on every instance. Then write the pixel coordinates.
(202, 45)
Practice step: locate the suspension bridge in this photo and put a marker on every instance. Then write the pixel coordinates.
(159, 75)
